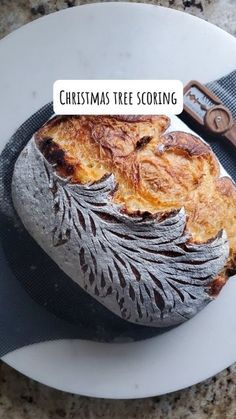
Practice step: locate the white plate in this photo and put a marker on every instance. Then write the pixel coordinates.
(133, 41)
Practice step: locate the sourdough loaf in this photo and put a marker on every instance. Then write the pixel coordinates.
(139, 218)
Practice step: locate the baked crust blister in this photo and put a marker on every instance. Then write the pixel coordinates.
(140, 219)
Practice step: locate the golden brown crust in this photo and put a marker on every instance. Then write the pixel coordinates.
(226, 187)
(217, 285)
(155, 172)
(186, 144)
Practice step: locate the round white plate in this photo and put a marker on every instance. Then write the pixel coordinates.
(133, 41)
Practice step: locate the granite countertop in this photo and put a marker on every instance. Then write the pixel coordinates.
(13, 14)
(22, 398)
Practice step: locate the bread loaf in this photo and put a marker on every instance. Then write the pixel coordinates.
(139, 218)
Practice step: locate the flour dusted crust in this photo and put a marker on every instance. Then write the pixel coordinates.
(139, 218)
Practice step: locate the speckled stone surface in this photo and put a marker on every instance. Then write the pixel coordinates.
(14, 13)
(22, 398)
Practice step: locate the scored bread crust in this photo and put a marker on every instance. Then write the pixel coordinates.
(140, 219)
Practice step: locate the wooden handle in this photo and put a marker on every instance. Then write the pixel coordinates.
(231, 135)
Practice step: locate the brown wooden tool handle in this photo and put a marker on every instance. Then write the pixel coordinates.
(231, 135)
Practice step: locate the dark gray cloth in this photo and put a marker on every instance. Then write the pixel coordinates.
(225, 89)
(38, 302)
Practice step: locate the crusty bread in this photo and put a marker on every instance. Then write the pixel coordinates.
(140, 219)
(154, 172)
